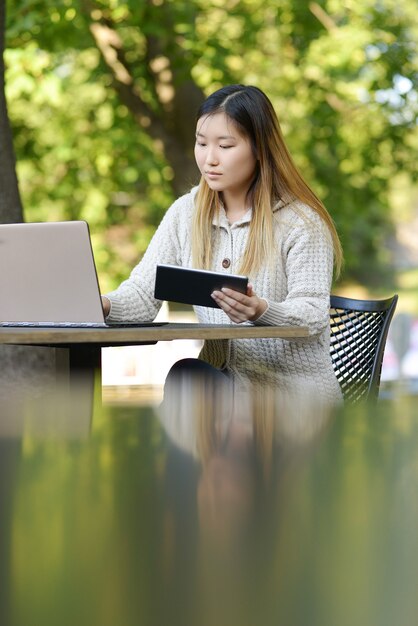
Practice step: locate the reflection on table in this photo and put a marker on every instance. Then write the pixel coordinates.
(243, 510)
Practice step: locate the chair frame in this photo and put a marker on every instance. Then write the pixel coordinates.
(342, 309)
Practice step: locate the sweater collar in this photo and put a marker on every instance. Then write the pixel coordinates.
(222, 220)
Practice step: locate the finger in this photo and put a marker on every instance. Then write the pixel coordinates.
(236, 296)
(231, 304)
(230, 308)
(221, 297)
(236, 311)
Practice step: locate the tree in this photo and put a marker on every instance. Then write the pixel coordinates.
(104, 95)
(10, 204)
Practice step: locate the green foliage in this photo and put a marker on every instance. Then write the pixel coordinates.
(102, 97)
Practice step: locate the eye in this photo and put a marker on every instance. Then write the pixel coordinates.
(200, 143)
(226, 147)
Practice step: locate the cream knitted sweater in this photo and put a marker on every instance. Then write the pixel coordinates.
(296, 287)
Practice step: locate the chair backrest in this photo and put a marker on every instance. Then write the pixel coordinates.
(359, 330)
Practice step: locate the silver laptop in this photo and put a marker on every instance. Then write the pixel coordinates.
(48, 276)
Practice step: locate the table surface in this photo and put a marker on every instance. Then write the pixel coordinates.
(138, 335)
(134, 517)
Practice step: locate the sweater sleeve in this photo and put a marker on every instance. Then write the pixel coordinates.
(307, 252)
(134, 299)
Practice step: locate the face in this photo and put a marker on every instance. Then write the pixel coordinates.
(223, 155)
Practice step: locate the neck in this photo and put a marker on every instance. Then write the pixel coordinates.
(235, 206)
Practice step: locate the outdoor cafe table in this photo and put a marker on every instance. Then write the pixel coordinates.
(82, 346)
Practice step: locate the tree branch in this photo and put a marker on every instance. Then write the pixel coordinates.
(322, 16)
(165, 127)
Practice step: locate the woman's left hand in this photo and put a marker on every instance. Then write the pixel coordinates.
(240, 307)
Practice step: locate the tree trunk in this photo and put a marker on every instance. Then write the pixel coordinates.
(10, 203)
(173, 126)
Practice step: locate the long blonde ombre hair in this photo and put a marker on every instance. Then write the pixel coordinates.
(276, 178)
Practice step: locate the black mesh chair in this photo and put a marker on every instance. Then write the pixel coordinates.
(359, 330)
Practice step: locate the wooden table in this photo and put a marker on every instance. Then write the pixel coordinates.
(83, 346)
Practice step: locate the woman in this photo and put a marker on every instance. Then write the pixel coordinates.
(252, 214)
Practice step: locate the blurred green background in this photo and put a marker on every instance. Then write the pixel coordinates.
(102, 98)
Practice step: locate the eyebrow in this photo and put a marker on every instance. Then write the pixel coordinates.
(198, 134)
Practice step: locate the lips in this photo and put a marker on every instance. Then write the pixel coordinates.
(213, 174)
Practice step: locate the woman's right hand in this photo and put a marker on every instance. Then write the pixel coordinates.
(106, 305)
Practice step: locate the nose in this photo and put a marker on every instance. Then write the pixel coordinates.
(212, 156)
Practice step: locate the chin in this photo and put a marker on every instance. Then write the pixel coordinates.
(214, 185)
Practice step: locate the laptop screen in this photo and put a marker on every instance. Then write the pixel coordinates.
(48, 273)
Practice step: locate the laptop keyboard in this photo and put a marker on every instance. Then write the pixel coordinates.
(79, 324)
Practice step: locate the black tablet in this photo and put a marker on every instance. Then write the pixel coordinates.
(190, 286)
